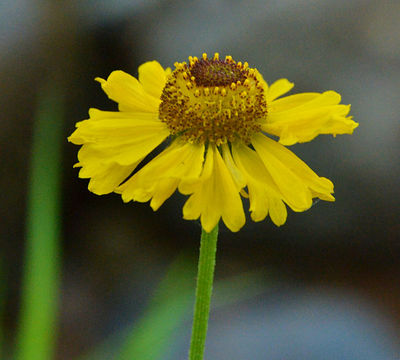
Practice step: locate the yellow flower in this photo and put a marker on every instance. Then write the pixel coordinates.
(217, 114)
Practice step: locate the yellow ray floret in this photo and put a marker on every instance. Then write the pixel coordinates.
(214, 196)
(300, 118)
(160, 177)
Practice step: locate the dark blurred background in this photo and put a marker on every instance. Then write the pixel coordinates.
(331, 273)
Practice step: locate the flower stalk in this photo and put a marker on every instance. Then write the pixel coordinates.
(205, 278)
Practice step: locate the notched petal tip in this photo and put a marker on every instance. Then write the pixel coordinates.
(152, 77)
(278, 88)
(100, 80)
(75, 139)
(354, 125)
(234, 227)
(128, 92)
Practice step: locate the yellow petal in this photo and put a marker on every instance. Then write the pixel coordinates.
(162, 191)
(294, 190)
(291, 101)
(160, 177)
(104, 178)
(110, 126)
(233, 169)
(96, 114)
(286, 168)
(207, 197)
(278, 212)
(190, 184)
(302, 117)
(215, 197)
(153, 78)
(128, 92)
(278, 88)
(118, 140)
(318, 185)
(261, 187)
(113, 145)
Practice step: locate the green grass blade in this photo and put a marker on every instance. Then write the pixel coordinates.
(150, 338)
(147, 338)
(37, 322)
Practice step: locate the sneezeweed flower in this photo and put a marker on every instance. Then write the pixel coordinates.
(218, 114)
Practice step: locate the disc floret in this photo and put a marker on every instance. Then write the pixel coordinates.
(213, 100)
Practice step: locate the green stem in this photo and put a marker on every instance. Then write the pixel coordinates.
(36, 338)
(205, 277)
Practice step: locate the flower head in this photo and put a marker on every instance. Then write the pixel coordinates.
(218, 114)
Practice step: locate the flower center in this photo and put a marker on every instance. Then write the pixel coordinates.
(213, 100)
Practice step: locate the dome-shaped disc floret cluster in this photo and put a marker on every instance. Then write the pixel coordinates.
(213, 100)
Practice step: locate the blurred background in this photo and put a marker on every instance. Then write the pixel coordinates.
(327, 281)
